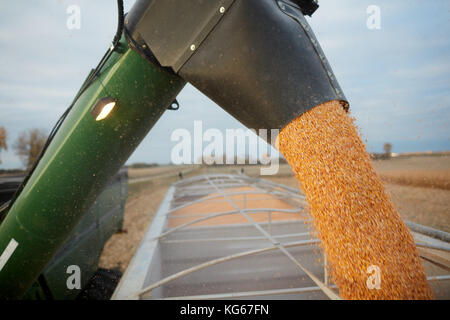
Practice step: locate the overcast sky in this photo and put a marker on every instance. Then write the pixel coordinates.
(396, 78)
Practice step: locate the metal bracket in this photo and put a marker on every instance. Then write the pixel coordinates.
(308, 7)
(174, 105)
(174, 29)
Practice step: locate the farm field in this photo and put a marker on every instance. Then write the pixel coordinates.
(155, 171)
(420, 171)
(418, 186)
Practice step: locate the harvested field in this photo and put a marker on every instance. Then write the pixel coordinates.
(427, 206)
(419, 171)
(428, 179)
(155, 171)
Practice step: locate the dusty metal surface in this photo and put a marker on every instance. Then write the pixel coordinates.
(231, 237)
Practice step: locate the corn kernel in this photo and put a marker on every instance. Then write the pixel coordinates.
(352, 213)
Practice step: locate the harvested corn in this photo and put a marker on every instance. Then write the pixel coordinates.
(361, 232)
(251, 201)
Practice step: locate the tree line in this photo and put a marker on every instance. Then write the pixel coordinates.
(27, 146)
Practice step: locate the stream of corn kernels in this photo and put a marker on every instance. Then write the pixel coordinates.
(352, 213)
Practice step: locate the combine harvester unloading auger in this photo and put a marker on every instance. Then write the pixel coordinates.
(257, 59)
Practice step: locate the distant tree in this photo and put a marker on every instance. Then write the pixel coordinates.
(29, 145)
(3, 138)
(140, 165)
(387, 149)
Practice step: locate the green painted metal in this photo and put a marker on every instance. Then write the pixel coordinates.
(77, 164)
(85, 244)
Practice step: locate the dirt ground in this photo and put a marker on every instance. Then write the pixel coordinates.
(418, 185)
(139, 212)
(419, 171)
(154, 171)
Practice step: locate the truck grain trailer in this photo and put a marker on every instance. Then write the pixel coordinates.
(232, 236)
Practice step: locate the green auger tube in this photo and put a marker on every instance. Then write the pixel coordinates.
(82, 156)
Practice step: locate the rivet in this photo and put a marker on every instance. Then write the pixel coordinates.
(222, 9)
(193, 47)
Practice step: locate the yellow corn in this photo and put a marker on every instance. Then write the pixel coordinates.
(354, 217)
